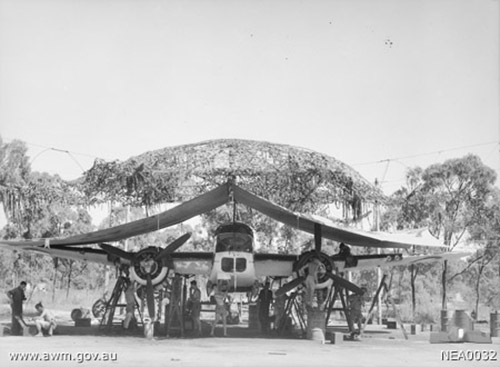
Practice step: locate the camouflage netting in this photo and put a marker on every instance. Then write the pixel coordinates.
(297, 178)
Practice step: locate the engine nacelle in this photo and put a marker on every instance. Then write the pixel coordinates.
(145, 263)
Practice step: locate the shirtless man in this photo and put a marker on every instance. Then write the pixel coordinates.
(45, 322)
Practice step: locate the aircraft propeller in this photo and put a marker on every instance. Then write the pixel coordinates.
(162, 257)
(339, 281)
(112, 250)
(287, 287)
(344, 283)
(173, 246)
(308, 258)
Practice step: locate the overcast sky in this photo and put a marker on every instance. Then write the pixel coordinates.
(362, 81)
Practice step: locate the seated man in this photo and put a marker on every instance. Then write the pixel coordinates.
(45, 322)
(345, 254)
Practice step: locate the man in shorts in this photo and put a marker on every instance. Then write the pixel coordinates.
(45, 322)
(220, 305)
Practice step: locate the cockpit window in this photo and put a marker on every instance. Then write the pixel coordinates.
(239, 242)
(241, 264)
(227, 264)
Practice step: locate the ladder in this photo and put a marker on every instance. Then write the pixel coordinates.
(386, 298)
(175, 307)
(112, 304)
(293, 312)
(341, 293)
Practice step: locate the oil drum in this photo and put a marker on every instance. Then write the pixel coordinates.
(494, 325)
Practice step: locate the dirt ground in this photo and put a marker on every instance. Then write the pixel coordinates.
(243, 347)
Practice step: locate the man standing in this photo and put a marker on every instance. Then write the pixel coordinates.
(355, 303)
(220, 305)
(16, 298)
(195, 300)
(45, 321)
(265, 299)
(130, 301)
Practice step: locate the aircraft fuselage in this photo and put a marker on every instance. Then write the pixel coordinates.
(234, 257)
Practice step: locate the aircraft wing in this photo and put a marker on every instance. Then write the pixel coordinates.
(82, 253)
(365, 262)
(282, 265)
(184, 262)
(193, 263)
(276, 265)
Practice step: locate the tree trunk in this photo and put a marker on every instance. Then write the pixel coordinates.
(413, 277)
(54, 282)
(14, 269)
(478, 284)
(69, 277)
(443, 283)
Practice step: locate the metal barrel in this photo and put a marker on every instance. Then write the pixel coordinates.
(494, 324)
(80, 313)
(444, 320)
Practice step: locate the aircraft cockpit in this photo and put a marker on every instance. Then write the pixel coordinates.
(237, 237)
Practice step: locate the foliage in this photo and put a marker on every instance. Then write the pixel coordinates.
(293, 177)
(452, 200)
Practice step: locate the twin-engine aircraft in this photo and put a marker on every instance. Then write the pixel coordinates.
(233, 257)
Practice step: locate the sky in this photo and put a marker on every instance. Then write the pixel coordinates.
(380, 85)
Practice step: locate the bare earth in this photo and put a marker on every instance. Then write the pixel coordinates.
(243, 347)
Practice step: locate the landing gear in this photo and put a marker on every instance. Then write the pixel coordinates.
(315, 271)
(108, 308)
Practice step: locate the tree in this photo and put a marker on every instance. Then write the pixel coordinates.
(406, 210)
(451, 199)
(14, 175)
(36, 205)
(481, 272)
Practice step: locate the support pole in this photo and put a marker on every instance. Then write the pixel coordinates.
(379, 271)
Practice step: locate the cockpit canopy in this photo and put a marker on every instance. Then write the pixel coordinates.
(234, 237)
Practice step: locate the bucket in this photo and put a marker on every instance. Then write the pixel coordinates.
(315, 320)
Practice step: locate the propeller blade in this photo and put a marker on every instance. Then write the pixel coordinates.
(150, 297)
(168, 262)
(112, 250)
(317, 238)
(345, 283)
(173, 246)
(289, 286)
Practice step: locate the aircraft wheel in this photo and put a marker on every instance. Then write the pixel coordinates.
(99, 308)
